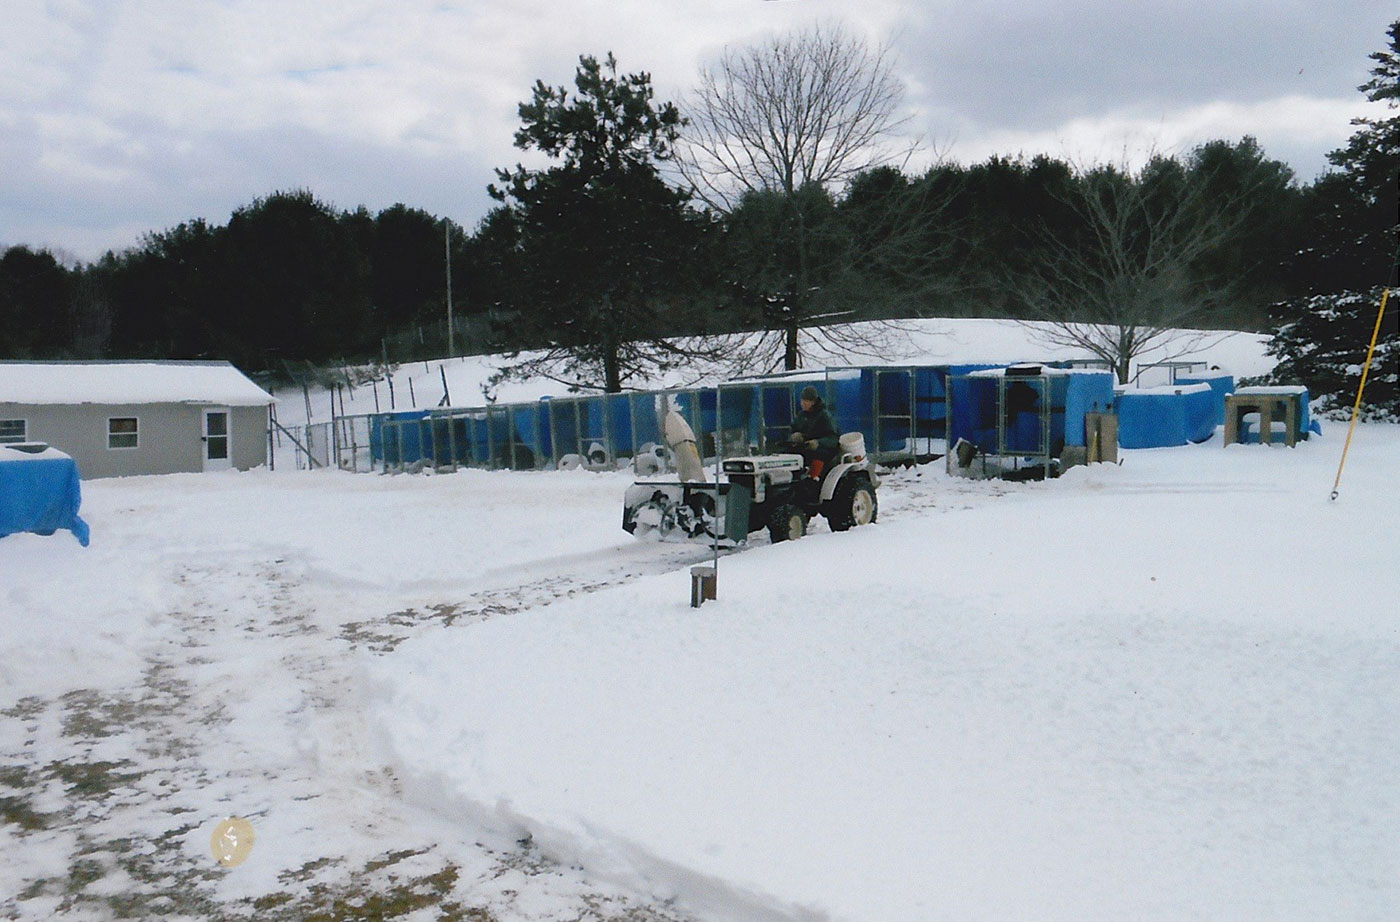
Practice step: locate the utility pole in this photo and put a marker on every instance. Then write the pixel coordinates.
(447, 249)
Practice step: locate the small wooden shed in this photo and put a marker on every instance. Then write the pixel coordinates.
(137, 417)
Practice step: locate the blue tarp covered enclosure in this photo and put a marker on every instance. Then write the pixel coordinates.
(529, 425)
(1086, 392)
(396, 438)
(40, 492)
(903, 412)
(1164, 417)
(602, 427)
(1032, 415)
(1221, 383)
(733, 409)
(909, 405)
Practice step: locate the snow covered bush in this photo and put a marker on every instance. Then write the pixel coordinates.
(1321, 342)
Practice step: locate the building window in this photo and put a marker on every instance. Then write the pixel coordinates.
(13, 430)
(121, 432)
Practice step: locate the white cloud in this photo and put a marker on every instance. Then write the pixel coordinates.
(1287, 124)
(160, 110)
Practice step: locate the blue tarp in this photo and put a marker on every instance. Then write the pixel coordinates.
(1086, 392)
(398, 442)
(1220, 383)
(1070, 396)
(1164, 417)
(40, 493)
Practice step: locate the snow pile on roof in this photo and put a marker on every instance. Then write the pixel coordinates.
(128, 383)
(1036, 371)
(1271, 389)
(1171, 390)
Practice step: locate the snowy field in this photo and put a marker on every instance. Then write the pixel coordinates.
(1162, 690)
(1165, 690)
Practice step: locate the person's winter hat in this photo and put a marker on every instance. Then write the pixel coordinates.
(809, 393)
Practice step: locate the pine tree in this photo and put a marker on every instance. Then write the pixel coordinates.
(602, 242)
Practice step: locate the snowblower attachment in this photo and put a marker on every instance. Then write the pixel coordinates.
(688, 509)
(676, 511)
(705, 512)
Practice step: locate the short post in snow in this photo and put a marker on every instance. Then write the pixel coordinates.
(703, 581)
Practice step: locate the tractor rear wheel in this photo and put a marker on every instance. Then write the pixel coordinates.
(853, 504)
(788, 523)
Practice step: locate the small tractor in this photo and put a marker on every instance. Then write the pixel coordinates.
(759, 491)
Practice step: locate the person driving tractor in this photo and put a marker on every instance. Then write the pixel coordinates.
(814, 433)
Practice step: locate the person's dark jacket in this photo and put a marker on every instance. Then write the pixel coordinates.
(817, 424)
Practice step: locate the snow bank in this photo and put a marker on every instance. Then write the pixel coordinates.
(1158, 691)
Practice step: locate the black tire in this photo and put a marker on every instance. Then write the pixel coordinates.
(854, 503)
(788, 523)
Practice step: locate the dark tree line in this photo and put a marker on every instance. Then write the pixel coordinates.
(609, 268)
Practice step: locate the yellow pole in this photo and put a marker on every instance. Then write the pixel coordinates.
(1356, 408)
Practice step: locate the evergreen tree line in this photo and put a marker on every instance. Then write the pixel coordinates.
(609, 262)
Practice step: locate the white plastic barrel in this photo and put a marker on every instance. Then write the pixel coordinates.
(853, 443)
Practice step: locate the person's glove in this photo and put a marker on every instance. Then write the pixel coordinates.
(795, 438)
(812, 444)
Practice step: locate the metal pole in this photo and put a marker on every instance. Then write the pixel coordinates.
(452, 438)
(511, 436)
(611, 449)
(492, 452)
(578, 430)
(447, 250)
(718, 495)
(553, 433)
(334, 440)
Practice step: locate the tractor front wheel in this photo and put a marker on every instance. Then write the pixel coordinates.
(787, 524)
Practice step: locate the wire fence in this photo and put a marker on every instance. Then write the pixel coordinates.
(901, 411)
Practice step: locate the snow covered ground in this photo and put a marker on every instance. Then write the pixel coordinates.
(205, 657)
(1164, 690)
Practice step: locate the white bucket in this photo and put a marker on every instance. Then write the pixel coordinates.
(853, 443)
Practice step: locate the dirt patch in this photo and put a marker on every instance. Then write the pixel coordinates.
(384, 634)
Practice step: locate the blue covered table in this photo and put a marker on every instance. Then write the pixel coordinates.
(40, 492)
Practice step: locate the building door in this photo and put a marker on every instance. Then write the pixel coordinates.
(217, 454)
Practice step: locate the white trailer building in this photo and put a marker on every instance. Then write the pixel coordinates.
(137, 417)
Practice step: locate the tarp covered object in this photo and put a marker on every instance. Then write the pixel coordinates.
(1221, 383)
(1164, 417)
(40, 492)
(1071, 393)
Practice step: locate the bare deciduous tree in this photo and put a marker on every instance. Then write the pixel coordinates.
(809, 110)
(817, 106)
(1137, 277)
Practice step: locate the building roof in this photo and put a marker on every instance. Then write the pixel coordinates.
(128, 383)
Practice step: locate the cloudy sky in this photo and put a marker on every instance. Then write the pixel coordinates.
(119, 117)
